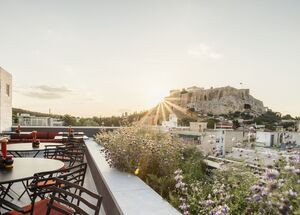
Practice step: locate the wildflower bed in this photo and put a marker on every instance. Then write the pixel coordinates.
(179, 174)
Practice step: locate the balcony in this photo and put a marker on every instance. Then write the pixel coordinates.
(122, 193)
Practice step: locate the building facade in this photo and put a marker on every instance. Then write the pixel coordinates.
(5, 100)
(28, 120)
(172, 123)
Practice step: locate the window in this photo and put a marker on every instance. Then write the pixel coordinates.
(7, 89)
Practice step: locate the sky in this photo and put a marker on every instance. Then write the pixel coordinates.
(102, 58)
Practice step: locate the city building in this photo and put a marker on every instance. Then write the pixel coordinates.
(224, 125)
(28, 120)
(5, 100)
(198, 126)
(269, 139)
(171, 123)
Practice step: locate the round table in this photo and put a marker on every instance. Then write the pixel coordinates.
(25, 168)
(16, 148)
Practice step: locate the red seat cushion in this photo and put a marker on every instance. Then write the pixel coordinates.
(40, 208)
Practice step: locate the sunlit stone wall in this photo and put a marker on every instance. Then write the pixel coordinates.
(5, 100)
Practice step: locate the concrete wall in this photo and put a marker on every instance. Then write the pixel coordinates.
(231, 139)
(123, 193)
(296, 137)
(5, 100)
(266, 138)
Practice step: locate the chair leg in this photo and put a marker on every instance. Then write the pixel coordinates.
(26, 189)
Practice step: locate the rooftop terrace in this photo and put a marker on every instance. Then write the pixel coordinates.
(122, 193)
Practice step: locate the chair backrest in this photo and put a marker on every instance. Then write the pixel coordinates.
(75, 174)
(53, 151)
(70, 153)
(62, 192)
(41, 181)
(75, 153)
(77, 140)
(44, 180)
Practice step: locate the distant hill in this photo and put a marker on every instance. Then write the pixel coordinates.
(216, 101)
(19, 110)
(195, 103)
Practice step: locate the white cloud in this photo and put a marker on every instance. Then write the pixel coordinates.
(44, 92)
(204, 50)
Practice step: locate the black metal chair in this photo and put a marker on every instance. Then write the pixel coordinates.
(75, 174)
(60, 195)
(71, 154)
(40, 188)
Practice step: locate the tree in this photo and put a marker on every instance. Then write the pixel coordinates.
(287, 117)
(236, 124)
(268, 118)
(211, 123)
(69, 120)
(185, 121)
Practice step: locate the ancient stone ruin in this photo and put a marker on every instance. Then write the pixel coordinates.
(216, 101)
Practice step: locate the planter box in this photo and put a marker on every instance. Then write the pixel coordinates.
(124, 193)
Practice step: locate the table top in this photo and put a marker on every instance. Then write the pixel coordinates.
(23, 147)
(75, 137)
(25, 168)
(13, 132)
(67, 133)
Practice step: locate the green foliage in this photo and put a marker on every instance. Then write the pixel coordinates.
(268, 118)
(163, 185)
(185, 121)
(33, 113)
(193, 164)
(236, 124)
(287, 117)
(145, 148)
(153, 155)
(93, 121)
(69, 120)
(211, 123)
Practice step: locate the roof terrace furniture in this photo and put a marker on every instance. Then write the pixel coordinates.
(43, 136)
(76, 133)
(13, 132)
(66, 196)
(23, 170)
(59, 195)
(19, 149)
(59, 137)
(61, 200)
(75, 174)
(70, 153)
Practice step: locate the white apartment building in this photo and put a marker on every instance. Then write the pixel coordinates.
(27, 120)
(172, 123)
(5, 100)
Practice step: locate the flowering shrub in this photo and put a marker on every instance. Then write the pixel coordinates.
(221, 193)
(237, 190)
(179, 174)
(147, 152)
(143, 148)
(276, 190)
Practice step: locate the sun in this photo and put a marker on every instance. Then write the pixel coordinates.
(155, 96)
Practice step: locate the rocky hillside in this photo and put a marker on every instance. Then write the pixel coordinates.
(216, 101)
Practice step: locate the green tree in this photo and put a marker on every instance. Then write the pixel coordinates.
(287, 117)
(69, 120)
(211, 123)
(185, 121)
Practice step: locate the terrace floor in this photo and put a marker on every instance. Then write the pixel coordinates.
(18, 189)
